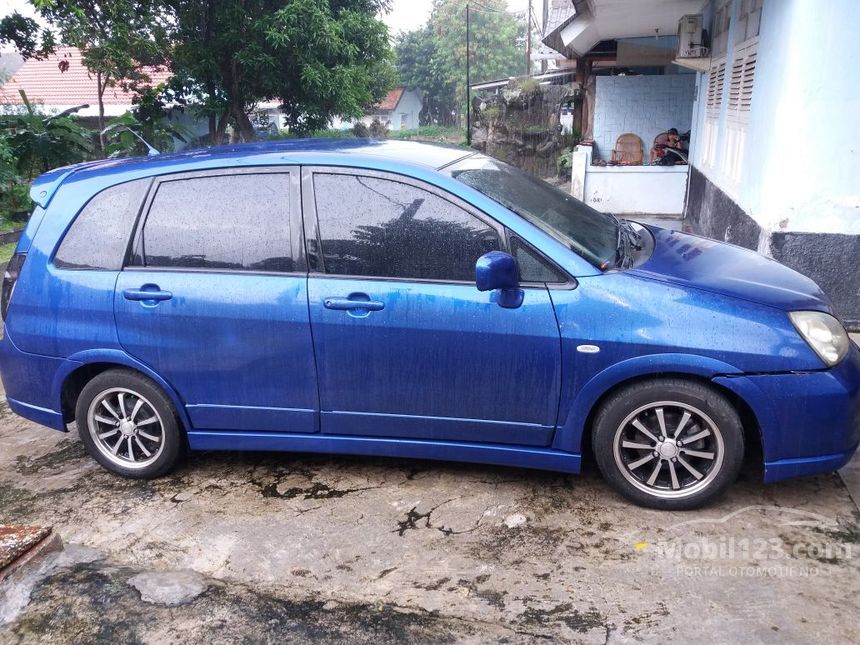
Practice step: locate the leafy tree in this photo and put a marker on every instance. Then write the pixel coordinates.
(318, 58)
(26, 36)
(117, 38)
(149, 121)
(433, 59)
(419, 67)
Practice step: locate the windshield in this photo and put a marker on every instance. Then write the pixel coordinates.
(590, 233)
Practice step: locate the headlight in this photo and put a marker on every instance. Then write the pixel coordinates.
(823, 333)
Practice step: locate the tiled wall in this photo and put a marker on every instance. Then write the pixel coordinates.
(643, 105)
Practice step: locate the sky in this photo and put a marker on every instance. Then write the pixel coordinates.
(405, 15)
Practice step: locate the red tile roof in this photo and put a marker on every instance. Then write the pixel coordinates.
(45, 81)
(391, 99)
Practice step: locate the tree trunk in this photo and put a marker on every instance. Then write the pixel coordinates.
(101, 84)
(243, 123)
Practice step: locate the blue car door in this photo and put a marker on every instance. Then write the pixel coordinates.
(405, 344)
(214, 299)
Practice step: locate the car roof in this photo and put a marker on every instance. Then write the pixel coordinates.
(429, 156)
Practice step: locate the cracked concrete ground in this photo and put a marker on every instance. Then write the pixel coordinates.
(268, 547)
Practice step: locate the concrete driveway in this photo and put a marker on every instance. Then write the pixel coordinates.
(267, 547)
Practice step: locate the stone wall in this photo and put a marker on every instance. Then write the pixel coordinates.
(643, 105)
(520, 125)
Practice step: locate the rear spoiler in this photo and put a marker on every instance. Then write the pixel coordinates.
(44, 186)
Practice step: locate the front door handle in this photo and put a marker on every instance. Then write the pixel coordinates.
(148, 293)
(355, 301)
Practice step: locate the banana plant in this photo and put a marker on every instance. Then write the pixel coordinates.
(41, 142)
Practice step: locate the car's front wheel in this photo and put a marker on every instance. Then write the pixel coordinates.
(128, 424)
(670, 444)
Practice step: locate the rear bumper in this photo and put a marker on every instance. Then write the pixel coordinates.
(30, 384)
(809, 421)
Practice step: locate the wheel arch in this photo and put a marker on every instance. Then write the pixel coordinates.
(84, 366)
(575, 433)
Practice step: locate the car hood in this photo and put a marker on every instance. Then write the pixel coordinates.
(727, 269)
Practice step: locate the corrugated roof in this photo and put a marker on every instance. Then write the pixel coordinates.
(391, 99)
(560, 13)
(62, 80)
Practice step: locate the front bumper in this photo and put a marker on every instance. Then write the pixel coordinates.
(809, 421)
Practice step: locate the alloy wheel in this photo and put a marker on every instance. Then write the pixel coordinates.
(668, 449)
(125, 427)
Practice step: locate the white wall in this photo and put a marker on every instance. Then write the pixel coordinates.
(801, 156)
(629, 190)
(643, 105)
(410, 104)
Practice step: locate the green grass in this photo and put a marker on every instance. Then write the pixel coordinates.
(6, 251)
(429, 131)
(7, 225)
(330, 133)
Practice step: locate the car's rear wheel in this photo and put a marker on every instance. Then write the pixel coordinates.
(668, 443)
(128, 424)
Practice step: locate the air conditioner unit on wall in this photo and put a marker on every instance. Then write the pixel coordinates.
(692, 38)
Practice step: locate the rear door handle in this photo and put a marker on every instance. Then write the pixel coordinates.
(353, 301)
(147, 293)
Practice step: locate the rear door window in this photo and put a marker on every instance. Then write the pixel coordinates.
(99, 235)
(377, 227)
(229, 222)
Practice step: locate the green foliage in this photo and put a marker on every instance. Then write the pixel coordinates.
(435, 132)
(149, 119)
(420, 67)
(376, 130)
(328, 133)
(39, 143)
(528, 86)
(433, 59)
(8, 163)
(26, 36)
(319, 58)
(14, 199)
(565, 158)
(6, 251)
(117, 38)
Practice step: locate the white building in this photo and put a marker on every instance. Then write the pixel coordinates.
(775, 122)
(399, 110)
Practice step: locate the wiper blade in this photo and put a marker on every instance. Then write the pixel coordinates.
(628, 239)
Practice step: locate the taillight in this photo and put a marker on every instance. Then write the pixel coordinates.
(13, 270)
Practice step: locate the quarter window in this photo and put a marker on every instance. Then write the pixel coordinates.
(534, 267)
(238, 222)
(385, 228)
(98, 238)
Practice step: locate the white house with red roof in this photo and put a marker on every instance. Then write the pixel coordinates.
(399, 110)
(62, 81)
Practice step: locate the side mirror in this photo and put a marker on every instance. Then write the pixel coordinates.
(497, 270)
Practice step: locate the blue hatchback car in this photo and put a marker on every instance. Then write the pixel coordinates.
(409, 300)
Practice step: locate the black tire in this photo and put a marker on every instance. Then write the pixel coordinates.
(627, 431)
(154, 418)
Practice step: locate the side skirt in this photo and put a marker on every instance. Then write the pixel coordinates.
(541, 459)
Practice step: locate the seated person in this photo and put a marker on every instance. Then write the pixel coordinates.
(668, 139)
